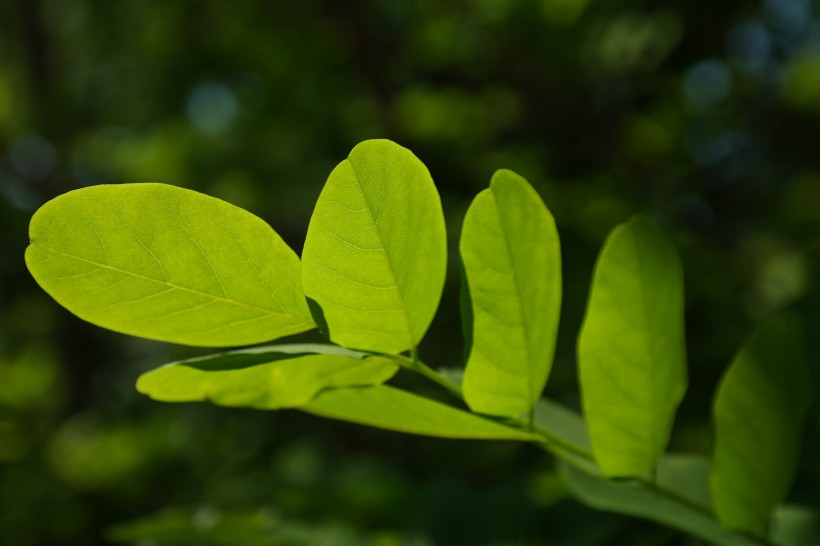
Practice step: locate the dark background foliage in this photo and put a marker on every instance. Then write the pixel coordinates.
(704, 115)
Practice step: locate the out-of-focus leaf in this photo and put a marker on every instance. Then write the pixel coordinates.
(795, 526)
(376, 252)
(261, 379)
(395, 409)
(512, 264)
(679, 477)
(759, 412)
(209, 526)
(568, 425)
(167, 263)
(631, 354)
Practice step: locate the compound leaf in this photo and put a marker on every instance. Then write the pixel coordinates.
(272, 378)
(631, 354)
(512, 264)
(167, 263)
(394, 409)
(375, 255)
(759, 412)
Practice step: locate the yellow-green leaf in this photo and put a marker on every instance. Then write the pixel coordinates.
(631, 353)
(512, 265)
(267, 378)
(394, 409)
(375, 254)
(167, 263)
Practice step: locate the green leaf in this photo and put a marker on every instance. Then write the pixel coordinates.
(796, 526)
(262, 378)
(395, 409)
(167, 263)
(512, 263)
(631, 354)
(211, 526)
(376, 254)
(759, 412)
(569, 426)
(678, 500)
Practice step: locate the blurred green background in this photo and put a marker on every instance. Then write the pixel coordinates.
(704, 115)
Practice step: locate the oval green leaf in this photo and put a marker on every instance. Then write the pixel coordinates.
(375, 256)
(631, 353)
(166, 263)
(759, 413)
(512, 265)
(270, 379)
(394, 409)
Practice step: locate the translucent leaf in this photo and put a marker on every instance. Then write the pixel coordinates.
(395, 409)
(678, 502)
(512, 264)
(262, 378)
(167, 263)
(375, 254)
(759, 412)
(631, 353)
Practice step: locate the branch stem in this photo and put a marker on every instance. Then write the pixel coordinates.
(558, 446)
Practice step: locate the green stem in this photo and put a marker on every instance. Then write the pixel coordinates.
(414, 364)
(546, 440)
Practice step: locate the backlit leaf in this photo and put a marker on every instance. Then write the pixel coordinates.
(759, 412)
(631, 354)
(167, 263)
(375, 254)
(268, 379)
(395, 409)
(512, 264)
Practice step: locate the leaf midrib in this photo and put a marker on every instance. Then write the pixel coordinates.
(516, 284)
(369, 208)
(172, 285)
(650, 353)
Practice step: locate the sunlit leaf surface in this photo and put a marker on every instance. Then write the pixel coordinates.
(167, 263)
(512, 265)
(376, 253)
(631, 354)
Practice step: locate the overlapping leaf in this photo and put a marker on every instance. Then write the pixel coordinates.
(679, 477)
(375, 254)
(631, 353)
(759, 412)
(394, 409)
(167, 263)
(512, 265)
(263, 378)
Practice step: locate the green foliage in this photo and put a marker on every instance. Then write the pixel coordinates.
(681, 506)
(759, 411)
(512, 264)
(165, 263)
(209, 527)
(631, 355)
(271, 379)
(395, 409)
(171, 264)
(376, 251)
